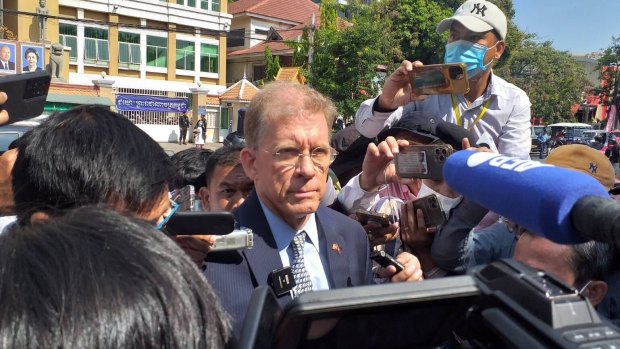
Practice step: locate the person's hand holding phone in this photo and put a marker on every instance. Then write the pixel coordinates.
(378, 168)
(196, 246)
(411, 272)
(4, 115)
(397, 90)
(378, 235)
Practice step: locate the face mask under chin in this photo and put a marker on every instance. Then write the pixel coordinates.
(447, 203)
(472, 54)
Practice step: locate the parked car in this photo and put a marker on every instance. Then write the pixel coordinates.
(9, 133)
(597, 139)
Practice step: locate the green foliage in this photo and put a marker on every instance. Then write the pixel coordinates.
(272, 65)
(552, 79)
(344, 63)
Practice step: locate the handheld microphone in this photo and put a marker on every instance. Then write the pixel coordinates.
(537, 196)
(597, 218)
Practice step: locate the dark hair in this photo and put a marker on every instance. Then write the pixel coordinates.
(190, 167)
(96, 279)
(590, 261)
(31, 50)
(225, 156)
(88, 155)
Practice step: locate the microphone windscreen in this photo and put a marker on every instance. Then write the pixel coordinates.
(536, 196)
(453, 134)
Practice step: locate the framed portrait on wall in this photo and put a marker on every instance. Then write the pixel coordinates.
(8, 57)
(32, 57)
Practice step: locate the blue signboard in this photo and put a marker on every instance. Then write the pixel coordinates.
(150, 103)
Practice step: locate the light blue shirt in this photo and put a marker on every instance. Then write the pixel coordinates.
(283, 234)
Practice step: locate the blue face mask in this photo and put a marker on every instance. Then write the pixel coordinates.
(467, 52)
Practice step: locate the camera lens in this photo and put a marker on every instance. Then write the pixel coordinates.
(442, 158)
(443, 151)
(456, 73)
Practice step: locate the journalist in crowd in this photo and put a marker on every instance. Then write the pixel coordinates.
(477, 37)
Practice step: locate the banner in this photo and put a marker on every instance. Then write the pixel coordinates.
(151, 103)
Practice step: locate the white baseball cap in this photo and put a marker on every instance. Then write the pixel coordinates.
(478, 16)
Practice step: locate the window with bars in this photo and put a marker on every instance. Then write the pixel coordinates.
(96, 49)
(68, 37)
(208, 58)
(156, 51)
(191, 3)
(129, 50)
(185, 55)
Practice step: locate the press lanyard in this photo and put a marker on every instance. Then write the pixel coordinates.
(457, 112)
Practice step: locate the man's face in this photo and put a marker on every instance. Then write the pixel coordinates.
(488, 39)
(290, 192)
(5, 53)
(227, 190)
(540, 253)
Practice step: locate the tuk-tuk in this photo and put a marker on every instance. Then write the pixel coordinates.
(567, 133)
(597, 139)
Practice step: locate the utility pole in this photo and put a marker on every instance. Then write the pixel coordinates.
(311, 44)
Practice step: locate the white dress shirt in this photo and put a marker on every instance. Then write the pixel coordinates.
(507, 118)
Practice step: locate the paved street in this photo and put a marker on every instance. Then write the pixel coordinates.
(175, 147)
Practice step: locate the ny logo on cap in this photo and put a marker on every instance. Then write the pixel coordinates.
(479, 10)
(593, 167)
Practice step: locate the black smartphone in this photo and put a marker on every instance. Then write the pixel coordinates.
(364, 217)
(385, 259)
(431, 210)
(27, 93)
(422, 161)
(200, 223)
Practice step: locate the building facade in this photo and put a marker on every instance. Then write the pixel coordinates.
(143, 49)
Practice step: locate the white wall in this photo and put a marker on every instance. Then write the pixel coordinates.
(170, 133)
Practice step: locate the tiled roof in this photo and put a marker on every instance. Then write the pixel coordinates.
(213, 100)
(290, 74)
(76, 90)
(290, 10)
(242, 90)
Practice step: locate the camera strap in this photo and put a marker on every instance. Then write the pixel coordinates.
(457, 112)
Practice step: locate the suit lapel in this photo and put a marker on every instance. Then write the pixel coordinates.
(338, 272)
(263, 258)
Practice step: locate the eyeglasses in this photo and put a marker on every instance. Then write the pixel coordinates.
(173, 208)
(584, 288)
(289, 157)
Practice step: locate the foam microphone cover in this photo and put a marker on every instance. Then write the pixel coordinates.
(453, 134)
(536, 196)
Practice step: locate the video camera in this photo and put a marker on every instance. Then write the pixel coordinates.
(502, 305)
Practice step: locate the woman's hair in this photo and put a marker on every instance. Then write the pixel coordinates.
(89, 155)
(95, 279)
(31, 50)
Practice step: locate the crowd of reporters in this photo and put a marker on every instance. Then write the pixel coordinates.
(84, 262)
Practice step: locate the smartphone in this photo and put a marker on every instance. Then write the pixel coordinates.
(431, 210)
(200, 223)
(239, 239)
(439, 79)
(364, 217)
(27, 94)
(384, 259)
(422, 161)
(185, 197)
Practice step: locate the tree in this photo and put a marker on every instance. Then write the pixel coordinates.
(272, 65)
(552, 79)
(609, 76)
(345, 62)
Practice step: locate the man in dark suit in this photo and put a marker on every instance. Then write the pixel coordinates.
(287, 154)
(5, 59)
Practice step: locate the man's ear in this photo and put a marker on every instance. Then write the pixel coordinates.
(203, 194)
(499, 49)
(38, 217)
(596, 291)
(248, 161)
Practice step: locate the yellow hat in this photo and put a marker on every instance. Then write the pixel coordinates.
(584, 159)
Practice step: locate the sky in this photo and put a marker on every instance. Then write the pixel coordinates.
(577, 26)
